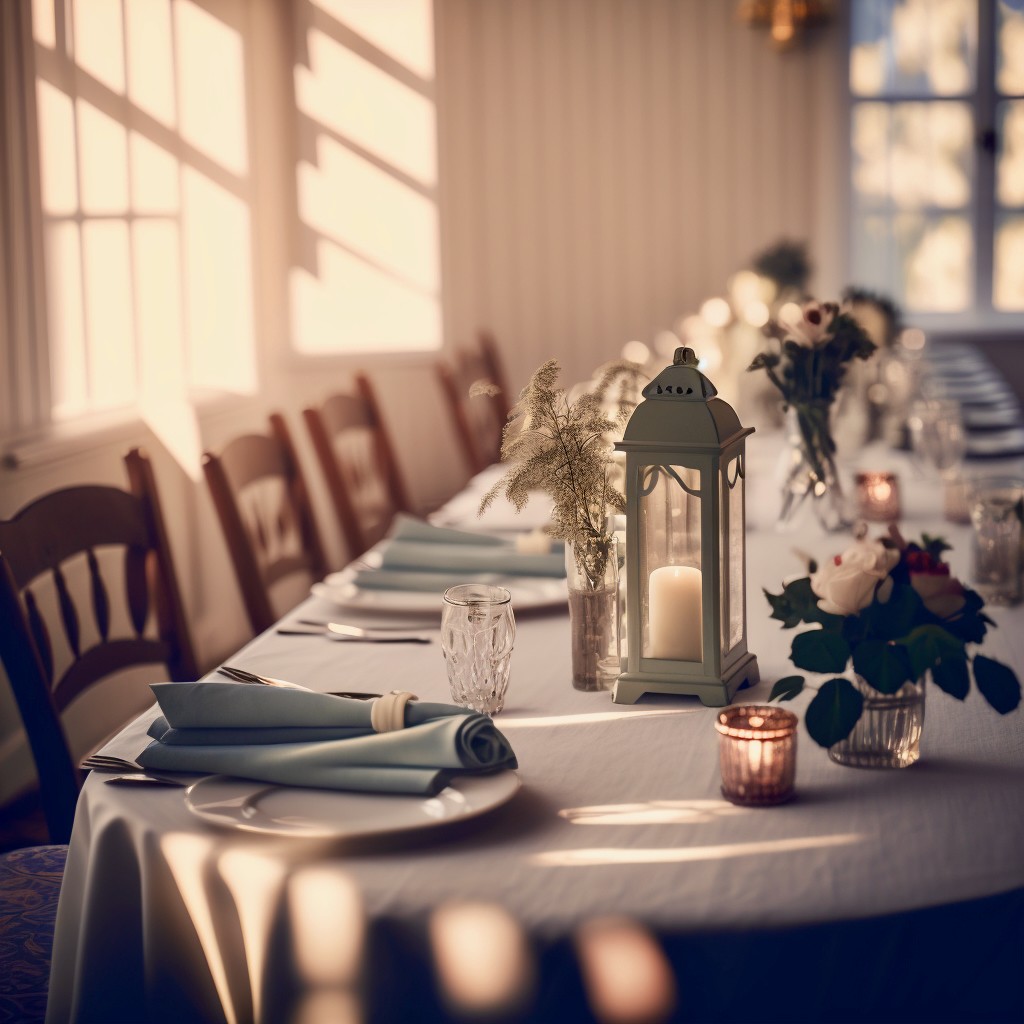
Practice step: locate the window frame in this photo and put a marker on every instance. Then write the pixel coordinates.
(982, 209)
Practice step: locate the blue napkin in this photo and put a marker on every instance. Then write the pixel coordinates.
(300, 738)
(414, 546)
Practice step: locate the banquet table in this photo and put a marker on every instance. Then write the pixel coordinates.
(616, 884)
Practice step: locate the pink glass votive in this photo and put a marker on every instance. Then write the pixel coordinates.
(757, 754)
(878, 497)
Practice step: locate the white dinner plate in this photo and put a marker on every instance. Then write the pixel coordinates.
(329, 814)
(528, 592)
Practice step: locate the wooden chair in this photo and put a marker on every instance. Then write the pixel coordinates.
(263, 506)
(494, 371)
(478, 420)
(358, 463)
(74, 614)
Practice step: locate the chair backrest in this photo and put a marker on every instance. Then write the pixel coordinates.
(478, 420)
(494, 371)
(84, 572)
(358, 463)
(264, 509)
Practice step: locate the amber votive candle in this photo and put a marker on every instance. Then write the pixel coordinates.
(757, 754)
(878, 497)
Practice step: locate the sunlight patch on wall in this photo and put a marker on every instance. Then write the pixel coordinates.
(403, 29)
(211, 84)
(150, 62)
(107, 262)
(69, 367)
(103, 161)
(58, 181)
(362, 103)
(351, 306)
(218, 286)
(99, 42)
(349, 200)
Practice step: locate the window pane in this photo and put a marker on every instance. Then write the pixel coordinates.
(150, 61)
(1008, 272)
(109, 326)
(1010, 162)
(58, 183)
(68, 371)
(913, 154)
(99, 43)
(1010, 48)
(102, 161)
(936, 256)
(913, 47)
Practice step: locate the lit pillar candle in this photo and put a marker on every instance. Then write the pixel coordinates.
(676, 619)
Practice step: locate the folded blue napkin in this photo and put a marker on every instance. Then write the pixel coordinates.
(301, 738)
(406, 527)
(414, 546)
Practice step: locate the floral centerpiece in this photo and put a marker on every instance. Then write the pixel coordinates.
(808, 370)
(562, 448)
(893, 612)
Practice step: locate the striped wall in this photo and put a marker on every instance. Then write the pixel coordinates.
(607, 164)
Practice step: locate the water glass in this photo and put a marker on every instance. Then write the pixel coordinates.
(996, 507)
(937, 433)
(478, 630)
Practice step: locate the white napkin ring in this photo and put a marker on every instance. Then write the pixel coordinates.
(387, 713)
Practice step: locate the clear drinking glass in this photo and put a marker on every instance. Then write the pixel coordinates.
(478, 630)
(997, 504)
(937, 433)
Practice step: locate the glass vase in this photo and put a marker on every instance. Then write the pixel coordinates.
(808, 470)
(888, 733)
(592, 571)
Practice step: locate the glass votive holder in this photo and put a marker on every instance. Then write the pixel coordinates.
(956, 497)
(878, 497)
(997, 504)
(757, 754)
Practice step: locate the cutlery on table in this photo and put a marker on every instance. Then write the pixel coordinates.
(241, 675)
(131, 771)
(355, 634)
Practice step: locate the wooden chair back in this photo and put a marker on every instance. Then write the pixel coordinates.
(87, 589)
(264, 509)
(358, 463)
(477, 420)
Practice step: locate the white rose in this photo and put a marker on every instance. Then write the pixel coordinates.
(812, 325)
(847, 584)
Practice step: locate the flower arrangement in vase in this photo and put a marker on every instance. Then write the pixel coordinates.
(893, 612)
(562, 448)
(808, 370)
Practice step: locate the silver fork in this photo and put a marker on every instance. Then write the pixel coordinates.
(243, 675)
(135, 772)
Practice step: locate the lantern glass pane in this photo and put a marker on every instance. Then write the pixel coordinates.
(671, 598)
(733, 562)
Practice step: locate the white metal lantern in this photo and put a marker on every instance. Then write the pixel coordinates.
(686, 619)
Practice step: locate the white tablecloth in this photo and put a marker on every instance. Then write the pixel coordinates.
(619, 817)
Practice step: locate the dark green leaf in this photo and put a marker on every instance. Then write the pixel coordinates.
(784, 609)
(896, 617)
(926, 645)
(820, 651)
(787, 688)
(885, 666)
(997, 682)
(834, 712)
(970, 624)
(806, 600)
(951, 675)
